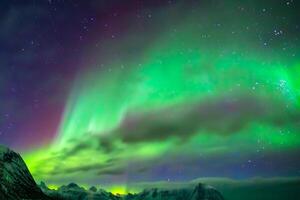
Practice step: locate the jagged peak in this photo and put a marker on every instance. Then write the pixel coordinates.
(72, 185)
(15, 179)
(93, 189)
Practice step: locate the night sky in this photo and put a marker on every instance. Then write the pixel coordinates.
(118, 92)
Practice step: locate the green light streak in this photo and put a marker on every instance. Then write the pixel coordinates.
(175, 70)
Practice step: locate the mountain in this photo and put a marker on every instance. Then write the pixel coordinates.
(200, 192)
(74, 192)
(16, 182)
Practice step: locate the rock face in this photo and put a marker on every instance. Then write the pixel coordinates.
(16, 181)
(206, 192)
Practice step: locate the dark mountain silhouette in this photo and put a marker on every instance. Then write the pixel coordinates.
(16, 183)
(200, 192)
(73, 191)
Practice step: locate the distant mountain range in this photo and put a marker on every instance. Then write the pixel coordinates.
(16, 183)
(73, 191)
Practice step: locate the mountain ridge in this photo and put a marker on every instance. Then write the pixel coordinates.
(17, 183)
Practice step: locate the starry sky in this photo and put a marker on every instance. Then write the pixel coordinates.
(115, 92)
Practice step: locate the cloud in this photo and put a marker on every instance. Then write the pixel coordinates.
(223, 116)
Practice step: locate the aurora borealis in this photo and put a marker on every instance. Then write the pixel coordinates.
(118, 93)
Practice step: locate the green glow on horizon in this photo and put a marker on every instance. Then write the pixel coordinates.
(173, 71)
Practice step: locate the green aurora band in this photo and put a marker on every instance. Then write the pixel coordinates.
(180, 68)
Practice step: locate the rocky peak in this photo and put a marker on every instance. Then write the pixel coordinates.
(93, 189)
(16, 181)
(206, 192)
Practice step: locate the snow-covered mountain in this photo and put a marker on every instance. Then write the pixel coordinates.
(16, 183)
